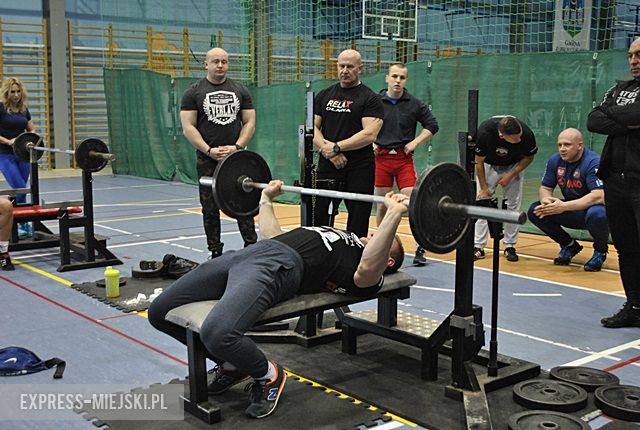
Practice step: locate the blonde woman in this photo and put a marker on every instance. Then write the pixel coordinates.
(15, 119)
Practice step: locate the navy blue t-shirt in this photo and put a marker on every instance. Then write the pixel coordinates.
(575, 179)
(12, 124)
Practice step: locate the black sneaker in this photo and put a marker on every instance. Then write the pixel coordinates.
(264, 395)
(510, 253)
(224, 379)
(628, 316)
(567, 253)
(5, 262)
(478, 254)
(419, 259)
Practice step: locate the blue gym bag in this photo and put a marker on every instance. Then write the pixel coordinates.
(15, 361)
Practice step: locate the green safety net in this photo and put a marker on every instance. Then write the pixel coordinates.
(549, 91)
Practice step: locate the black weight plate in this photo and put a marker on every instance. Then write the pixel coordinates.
(20, 146)
(585, 377)
(432, 229)
(227, 183)
(545, 420)
(87, 162)
(550, 395)
(100, 283)
(619, 401)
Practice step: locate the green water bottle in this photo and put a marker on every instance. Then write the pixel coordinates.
(112, 282)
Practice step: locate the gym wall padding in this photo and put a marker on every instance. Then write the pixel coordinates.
(549, 91)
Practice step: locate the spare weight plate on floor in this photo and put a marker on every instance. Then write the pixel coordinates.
(619, 401)
(549, 394)
(100, 283)
(545, 420)
(585, 377)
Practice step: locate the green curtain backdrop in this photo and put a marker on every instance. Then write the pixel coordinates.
(549, 91)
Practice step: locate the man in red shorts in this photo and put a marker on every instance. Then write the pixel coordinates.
(397, 140)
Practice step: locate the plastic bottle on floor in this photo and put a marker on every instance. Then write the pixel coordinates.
(112, 282)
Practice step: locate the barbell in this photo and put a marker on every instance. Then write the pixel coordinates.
(441, 205)
(91, 154)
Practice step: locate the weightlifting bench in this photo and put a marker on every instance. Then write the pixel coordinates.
(192, 315)
(37, 214)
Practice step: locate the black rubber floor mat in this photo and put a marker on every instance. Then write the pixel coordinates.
(301, 406)
(128, 293)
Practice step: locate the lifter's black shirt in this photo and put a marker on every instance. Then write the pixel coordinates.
(330, 257)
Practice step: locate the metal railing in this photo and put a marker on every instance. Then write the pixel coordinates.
(23, 55)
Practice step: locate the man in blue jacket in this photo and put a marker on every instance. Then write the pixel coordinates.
(573, 169)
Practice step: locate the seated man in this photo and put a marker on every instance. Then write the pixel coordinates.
(247, 282)
(6, 222)
(573, 169)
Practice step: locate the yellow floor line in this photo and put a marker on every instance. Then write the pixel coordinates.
(346, 396)
(43, 273)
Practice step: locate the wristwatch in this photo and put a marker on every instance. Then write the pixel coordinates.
(336, 148)
(239, 148)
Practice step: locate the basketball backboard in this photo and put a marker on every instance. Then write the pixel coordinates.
(390, 19)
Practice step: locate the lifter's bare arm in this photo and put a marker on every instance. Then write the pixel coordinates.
(269, 225)
(375, 256)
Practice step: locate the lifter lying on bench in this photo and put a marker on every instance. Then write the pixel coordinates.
(250, 281)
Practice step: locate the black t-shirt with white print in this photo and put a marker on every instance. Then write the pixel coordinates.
(342, 110)
(219, 120)
(330, 257)
(499, 152)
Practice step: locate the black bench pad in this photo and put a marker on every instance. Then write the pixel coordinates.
(192, 315)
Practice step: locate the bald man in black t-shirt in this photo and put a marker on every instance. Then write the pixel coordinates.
(218, 118)
(347, 119)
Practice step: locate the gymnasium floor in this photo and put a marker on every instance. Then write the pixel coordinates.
(548, 314)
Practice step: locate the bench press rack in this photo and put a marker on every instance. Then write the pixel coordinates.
(93, 249)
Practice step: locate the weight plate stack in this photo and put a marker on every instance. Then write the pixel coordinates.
(549, 394)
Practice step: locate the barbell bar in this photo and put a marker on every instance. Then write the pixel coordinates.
(441, 205)
(446, 204)
(106, 156)
(91, 154)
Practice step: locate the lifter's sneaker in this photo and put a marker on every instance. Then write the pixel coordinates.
(264, 394)
(419, 259)
(595, 262)
(510, 253)
(478, 254)
(567, 253)
(225, 379)
(5, 262)
(628, 316)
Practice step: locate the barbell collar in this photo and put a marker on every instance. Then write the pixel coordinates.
(106, 155)
(480, 212)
